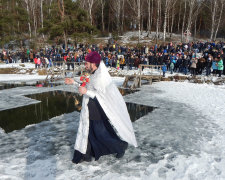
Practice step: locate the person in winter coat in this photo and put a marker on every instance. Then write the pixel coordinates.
(36, 62)
(220, 66)
(117, 64)
(214, 66)
(208, 65)
(39, 62)
(105, 126)
(164, 69)
(122, 62)
(171, 67)
(194, 62)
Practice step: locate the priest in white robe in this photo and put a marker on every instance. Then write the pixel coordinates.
(105, 126)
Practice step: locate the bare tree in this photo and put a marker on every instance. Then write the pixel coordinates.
(158, 19)
(196, 17)
(222, 2)
(42, 17)
(82, 3)
(90, 5)
(184, 19)
(169, 4)
(139, 19)
(149, 17)
(102, 10)
(116, 8)
(178, 23)
(28, 12)
(62, 13)
(213, 6)
(192, 5)
(122, 21)
(172, 20)
(216, 8)
(50, 3)
(136, 7)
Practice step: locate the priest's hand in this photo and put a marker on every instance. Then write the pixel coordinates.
(82, 90)
(69, 81)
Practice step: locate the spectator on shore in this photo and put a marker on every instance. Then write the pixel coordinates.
(220, 66)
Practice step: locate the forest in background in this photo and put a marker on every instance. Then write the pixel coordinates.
(58, 21)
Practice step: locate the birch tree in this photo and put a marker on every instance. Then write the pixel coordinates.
(33, 6)
(62, 13)
(90, 5)
(222, 2)
(216, 8)
(192, 6)
(184, 19)
(169, 4)
(102, 14)
(136, 8)
(123, 15)
(116, 7)
(213, 11)
(178, 23)
(149, 17)
(158, 19)
(28, 12)
(42, 17)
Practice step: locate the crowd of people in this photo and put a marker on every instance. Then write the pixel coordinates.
(196, 58)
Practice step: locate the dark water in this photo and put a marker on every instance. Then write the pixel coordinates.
(54, 103)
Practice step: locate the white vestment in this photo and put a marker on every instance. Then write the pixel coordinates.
(112, 102)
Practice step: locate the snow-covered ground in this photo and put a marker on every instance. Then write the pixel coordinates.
(183, 138)
(131, 37)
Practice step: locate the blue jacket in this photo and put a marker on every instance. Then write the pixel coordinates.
(214, 66)
(164, 68)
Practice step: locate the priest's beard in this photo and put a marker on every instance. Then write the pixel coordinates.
(89, 70)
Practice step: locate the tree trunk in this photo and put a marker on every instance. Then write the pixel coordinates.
(165, 21)
(168, 23)
(139, 19)
(142, 19)
(218, 24)
(29, 26)
(149, 17)
(122, 22)
(103, 24)
(184, 19)
(35, 22)
(213, 19)
(90, 4)
(62, 12)
(109, 20)
(49, 10)
(18, 22)
(42, 18)
(172, 23)
(191, 5)
(195, 29)
(118, 9)
(157, 22)
(178, 24)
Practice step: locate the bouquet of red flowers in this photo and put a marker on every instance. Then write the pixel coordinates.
(84, 79)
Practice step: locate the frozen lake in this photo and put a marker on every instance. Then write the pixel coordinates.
(51, 104)
(180, 139)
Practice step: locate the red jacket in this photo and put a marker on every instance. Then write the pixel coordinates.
(35, 60)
